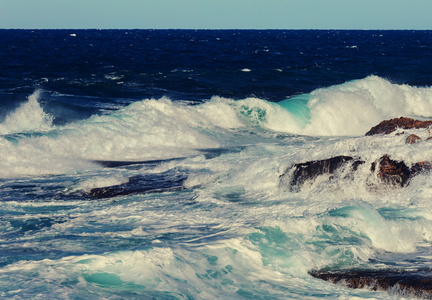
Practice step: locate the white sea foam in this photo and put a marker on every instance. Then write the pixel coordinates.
(354, 107)
(160, 129)
(29, 116)
(349, 109)
(150, 129)
(230, 267)
(239, 236)
(100, 181)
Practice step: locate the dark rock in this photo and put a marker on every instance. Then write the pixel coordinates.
(388, 126)
(412, 139)
(122, 163)
(142, 184)
(420, 167)
(397, 173)
(312, 169)
(408, 283)
(392, 172)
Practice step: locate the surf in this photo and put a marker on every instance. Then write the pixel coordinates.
(155, 129)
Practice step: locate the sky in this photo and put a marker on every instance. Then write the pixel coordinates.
(216, 14)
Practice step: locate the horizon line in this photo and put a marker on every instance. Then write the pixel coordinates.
(220, 29)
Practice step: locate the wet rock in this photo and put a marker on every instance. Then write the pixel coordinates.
(142, 184)
(389, 172)
(412, 139)
(312, 169)
(420, 167)
(388, 126)
(392, 172)
(397, 173)
(416, 283)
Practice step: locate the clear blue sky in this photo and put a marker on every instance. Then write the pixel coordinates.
(217, 14)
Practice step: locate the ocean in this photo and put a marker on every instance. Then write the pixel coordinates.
(152, 164)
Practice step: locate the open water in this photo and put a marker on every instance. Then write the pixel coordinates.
(145, 164)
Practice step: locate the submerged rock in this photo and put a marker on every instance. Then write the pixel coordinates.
(407, 283)
(142, 184)
(388, 126)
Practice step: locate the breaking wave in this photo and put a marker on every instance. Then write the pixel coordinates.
(161, 129)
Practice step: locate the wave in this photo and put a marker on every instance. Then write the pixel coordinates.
(29, 116)
(352, 108)
(348, 109)
(163, 129)
(195, 256)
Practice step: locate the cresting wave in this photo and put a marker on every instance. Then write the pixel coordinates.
(350, 109)
(28, 117)
(161, 129)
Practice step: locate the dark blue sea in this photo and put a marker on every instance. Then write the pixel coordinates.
(146, 164)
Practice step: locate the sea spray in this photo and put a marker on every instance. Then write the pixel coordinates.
(352, 108)
(29, 116)
(161, 128)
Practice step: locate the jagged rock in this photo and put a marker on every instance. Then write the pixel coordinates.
(388, 126)
(312, 169)
(397, 173)
(407, 283)
(392, 172)
(412, 139)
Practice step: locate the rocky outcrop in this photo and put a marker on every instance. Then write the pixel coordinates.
(392, 172)
(388, 126)
(312, 169)
(388, 171)
(405, 283)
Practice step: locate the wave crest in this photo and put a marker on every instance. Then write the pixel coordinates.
(29, 116)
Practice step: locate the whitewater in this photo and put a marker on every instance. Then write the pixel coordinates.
(155, 129)
(203, 209)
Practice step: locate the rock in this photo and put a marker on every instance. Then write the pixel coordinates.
(388, 126)
(420, 167)
(142, 184)
(389, 172)
(397, 173)
(412, 139)
(406, 283)
(312, 169)
(392, 172)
